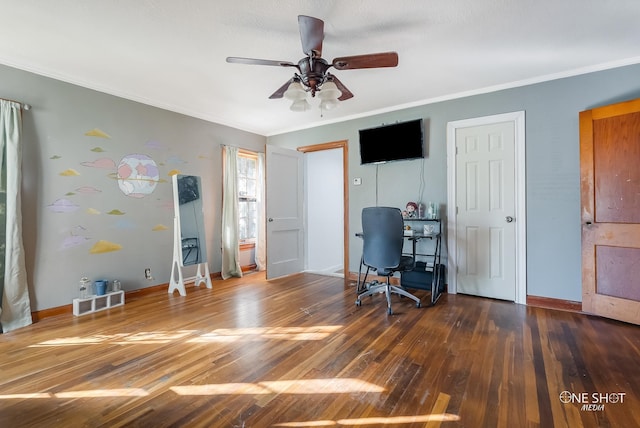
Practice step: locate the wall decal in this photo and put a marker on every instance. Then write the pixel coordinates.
(69, 172)
(76, 238)
(173, 172)
(54, 157)
(69, 194)
(78, 229)
(115, 212)
(88, 190)
(137, 175)
(103, 246)
(93, 211)
(95, 132)
(63, 206)
(73, 241)
(97, 149)
(104, 163)
(159, 227)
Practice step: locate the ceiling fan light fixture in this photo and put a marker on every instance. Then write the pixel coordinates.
(295, 92)
(329, 92)
(328, 104)
(300, 105)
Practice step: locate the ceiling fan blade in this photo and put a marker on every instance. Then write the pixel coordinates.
(311, 34)
(281, 90)
(384, 59)
(254, 61)
(346, 94)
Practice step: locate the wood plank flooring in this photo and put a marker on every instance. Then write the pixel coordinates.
(297, 352)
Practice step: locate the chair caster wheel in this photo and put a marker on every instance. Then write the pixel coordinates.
(358, 302)
(389, 311)
(418, 305)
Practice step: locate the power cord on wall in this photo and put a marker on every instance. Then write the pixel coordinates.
(421, 188)
(377, 165)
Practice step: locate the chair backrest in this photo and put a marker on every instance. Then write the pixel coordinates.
(383, 237)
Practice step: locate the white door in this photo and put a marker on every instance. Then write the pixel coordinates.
(284, 211)
(486, 214)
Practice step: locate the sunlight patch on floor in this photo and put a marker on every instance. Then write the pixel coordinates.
(300, 386)
(140, 338)
(433, 419)
(260, 333)
(392, 420)
(94, 393)
(123, 392)
(26, 395)
(221, 335)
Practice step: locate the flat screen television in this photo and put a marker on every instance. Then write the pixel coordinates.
(398, 141)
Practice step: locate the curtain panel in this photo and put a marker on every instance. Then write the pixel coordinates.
(230, 235)
(15, 307)
(261, 244)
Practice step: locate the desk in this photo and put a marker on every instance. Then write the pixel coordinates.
(428, 274)
(427, 277)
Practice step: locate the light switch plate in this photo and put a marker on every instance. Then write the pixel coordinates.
(357, 181)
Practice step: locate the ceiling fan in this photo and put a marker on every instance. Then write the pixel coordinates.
(312, 74)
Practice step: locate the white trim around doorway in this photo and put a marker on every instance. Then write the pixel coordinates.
(520, 197)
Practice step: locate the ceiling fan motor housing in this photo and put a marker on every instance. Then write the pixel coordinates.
(313, 73)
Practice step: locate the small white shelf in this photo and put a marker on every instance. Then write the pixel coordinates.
(94, 303)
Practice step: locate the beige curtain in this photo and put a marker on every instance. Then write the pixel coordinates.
(230, 235)
(261, 244)
(15, 308)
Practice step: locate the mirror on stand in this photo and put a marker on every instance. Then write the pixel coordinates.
(189, 247)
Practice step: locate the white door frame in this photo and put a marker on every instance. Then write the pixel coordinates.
(518, 118)
(344, 146)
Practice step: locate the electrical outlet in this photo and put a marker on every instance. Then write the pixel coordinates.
(147, 273)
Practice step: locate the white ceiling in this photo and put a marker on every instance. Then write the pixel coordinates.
(171, 54)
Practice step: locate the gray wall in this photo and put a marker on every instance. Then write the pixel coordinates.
(552, 162)
(58, 244)
(58, 237)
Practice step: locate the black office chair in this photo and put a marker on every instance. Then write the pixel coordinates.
(383, 238)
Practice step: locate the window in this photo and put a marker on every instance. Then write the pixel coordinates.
(247, 197)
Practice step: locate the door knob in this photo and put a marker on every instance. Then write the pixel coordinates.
(270, 219)
(509, 219)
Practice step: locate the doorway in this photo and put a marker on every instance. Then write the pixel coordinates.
(326, 208)
(486, 217)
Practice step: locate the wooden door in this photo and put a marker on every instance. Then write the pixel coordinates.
(485, 202)
(610, 193)
(284, 211)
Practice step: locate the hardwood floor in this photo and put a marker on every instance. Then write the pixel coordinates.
(297, 352)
